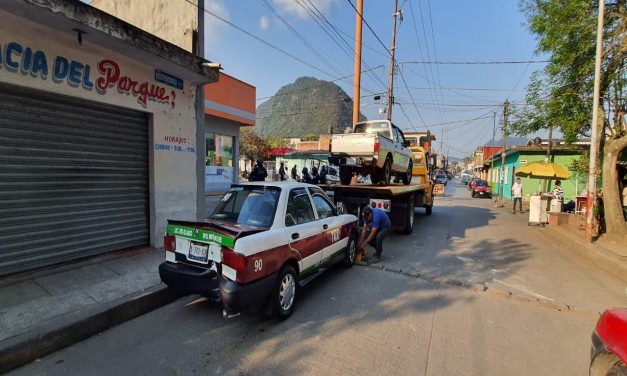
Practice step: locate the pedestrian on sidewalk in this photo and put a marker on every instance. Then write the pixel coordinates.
(379, 224)
(282, 174)
(294, 173)
(517, 191)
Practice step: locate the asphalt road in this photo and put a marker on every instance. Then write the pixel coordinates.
(404, 316)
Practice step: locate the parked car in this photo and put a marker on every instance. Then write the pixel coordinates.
(260, 244)
(471, 183)
(441, 178)
(376, 148)
(608, 356)
(481, 188)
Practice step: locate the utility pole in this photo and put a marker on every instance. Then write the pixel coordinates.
(502, 179)
(357, 83)
(592, 174)
(548, 156)
(392, 64)
(201, 146)
(492, 144)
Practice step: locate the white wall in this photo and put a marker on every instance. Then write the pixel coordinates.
(172, 173)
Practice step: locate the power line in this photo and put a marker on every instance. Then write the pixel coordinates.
(301, 38)
(435, 50)
(317, 15)
(321, 84)
(431, 90)
(463, 89)
(370, 28)
(261, 40)
(476, 62)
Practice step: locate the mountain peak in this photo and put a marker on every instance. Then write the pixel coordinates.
(306, 106)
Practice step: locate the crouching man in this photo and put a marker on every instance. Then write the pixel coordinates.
(379, 223)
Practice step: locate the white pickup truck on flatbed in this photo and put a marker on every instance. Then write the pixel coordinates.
(376, 148)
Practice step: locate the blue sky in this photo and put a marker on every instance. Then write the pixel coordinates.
(457, 30)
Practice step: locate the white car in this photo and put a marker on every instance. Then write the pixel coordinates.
(262, 241)
(376, 148)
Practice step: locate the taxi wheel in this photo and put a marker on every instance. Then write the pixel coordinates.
(284, 294)
(349, 253)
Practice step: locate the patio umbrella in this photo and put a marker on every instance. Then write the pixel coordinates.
(543, 170)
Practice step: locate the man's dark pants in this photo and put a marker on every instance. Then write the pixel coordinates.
(519, 200)
(377, 242)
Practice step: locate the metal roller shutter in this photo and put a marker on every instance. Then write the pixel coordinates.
(73, 179)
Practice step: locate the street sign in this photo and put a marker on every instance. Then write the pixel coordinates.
(503, 155)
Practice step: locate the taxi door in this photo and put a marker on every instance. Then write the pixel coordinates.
(302, 230)
(331, 225)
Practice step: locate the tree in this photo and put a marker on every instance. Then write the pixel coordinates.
(251, 146)
(560, 96)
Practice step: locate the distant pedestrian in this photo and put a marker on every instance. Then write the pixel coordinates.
(323, 174)
(282, 174)
(306, 178)
(259, 172)
(315, 177)
(294, 173)
(558, 193)
(517, 192)
(379, 223)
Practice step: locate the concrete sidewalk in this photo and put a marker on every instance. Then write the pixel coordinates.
(606, 255)
(46, 310)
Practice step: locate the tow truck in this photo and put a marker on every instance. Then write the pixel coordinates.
(396, 199)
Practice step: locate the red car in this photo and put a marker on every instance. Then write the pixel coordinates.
(480, 188)
(609, 344)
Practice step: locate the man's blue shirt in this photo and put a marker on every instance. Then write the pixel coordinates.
(380, 219)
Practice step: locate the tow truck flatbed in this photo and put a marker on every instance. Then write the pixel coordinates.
(389, 190)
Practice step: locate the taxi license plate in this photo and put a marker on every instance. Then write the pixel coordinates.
(198, 252)
(481, 193)
(351, 161)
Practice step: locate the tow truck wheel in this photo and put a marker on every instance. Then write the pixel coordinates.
(408, 174)
(284, 294)
(349, 255)
(408, 227)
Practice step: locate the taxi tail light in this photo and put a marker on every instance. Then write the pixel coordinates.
(169, 243)
(379, 205)
(330, 143)
(376, 145)
(374, 204)
(234, 260)
(386, 205)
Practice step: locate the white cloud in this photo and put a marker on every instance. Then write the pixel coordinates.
(264, 22)
(293, 6)
(212, 24)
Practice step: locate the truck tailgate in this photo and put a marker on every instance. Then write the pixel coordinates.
(353, 143)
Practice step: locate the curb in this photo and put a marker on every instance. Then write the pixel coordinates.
(486, 289)
(599, 256)
(76, 327)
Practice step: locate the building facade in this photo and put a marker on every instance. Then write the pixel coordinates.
(518, 156)
(229, 103)
(98, 126)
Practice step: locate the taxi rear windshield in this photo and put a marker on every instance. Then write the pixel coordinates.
(247, 206)
(379, 127)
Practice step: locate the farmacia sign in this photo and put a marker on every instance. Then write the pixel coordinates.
(108, 76)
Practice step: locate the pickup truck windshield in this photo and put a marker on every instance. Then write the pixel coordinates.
(248, 206)
(379, 127)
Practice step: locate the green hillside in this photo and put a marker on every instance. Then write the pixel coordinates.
(304, 107)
